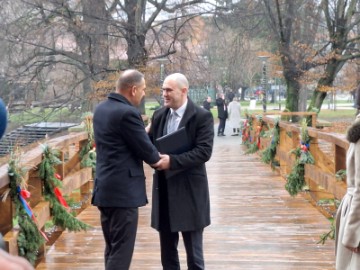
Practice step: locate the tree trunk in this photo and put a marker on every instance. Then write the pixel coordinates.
(135, 34)
(327, 80)
(292, 98)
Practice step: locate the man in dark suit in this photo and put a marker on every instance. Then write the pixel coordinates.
(207, 103)
(121, 145)
(180, 201)
(222, 113)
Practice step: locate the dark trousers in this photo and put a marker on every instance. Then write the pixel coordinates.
(119, 226)
(221, 127)
(193, 241)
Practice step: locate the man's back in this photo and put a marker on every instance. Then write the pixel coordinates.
(121, 144)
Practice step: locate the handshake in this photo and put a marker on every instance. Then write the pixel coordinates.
(163, 163)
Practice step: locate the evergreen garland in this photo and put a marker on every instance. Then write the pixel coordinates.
(60, 213)
(329, 235)
(246, 128)
(29, 238)
(254, 146)
(88, 151)
(268, 155)
(296, 179)
(340, 175)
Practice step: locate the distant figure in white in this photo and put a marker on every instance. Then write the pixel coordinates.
(234, 110)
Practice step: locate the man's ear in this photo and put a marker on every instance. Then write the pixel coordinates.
(133, 90)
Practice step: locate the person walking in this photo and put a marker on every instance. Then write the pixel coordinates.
(121, 145)
(222, 114)
(180, 200)
(234, 110)
(347, 234)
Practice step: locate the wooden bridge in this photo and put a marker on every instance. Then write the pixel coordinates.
(256, 224)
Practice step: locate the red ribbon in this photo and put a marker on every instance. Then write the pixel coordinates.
(259, 128)
(57, 176)
(60, 197)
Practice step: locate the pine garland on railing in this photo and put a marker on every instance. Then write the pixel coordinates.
(30, 238)
(340, 175)
(296, 179)
(52, 182)
(246, 129)
(268, 155)
(253, 146)
(88, 151)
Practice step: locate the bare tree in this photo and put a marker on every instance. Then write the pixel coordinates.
(83, 37)
(342, 45)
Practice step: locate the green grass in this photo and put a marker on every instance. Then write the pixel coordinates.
(36, 115)
(338, 114)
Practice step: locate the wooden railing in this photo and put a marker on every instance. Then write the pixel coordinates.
(77, 183)
(328, 150)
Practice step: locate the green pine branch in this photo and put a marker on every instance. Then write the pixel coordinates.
(61, 216)
(29, 239)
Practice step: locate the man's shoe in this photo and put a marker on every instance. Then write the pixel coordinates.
(222, 134)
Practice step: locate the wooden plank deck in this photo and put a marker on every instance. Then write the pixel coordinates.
(255, 224)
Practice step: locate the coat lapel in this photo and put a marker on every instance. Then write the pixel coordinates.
(189, 113)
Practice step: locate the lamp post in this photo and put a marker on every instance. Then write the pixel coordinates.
(264, 58)
(279, 72)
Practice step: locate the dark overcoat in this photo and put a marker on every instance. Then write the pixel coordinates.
(121, 146)
(188, 190)
(222, 108)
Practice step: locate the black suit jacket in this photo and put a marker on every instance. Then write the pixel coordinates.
(121, 146)
(188, 190)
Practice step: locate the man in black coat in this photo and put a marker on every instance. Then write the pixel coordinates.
(222, 113)
(181, 199)
(121, 145)
(207, 103)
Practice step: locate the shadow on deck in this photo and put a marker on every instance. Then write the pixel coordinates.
(256, 224)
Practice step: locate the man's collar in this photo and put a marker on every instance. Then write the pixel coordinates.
(180, 111)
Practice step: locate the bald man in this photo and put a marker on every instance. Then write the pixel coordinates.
(180, 201)
(121, 146)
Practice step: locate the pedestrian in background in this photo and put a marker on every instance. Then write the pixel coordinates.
(234, 110)
(207, 103)
(222, 113)
(347, 235)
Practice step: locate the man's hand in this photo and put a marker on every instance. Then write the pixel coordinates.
(353, 249)
(163, 163)
(147, 128)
